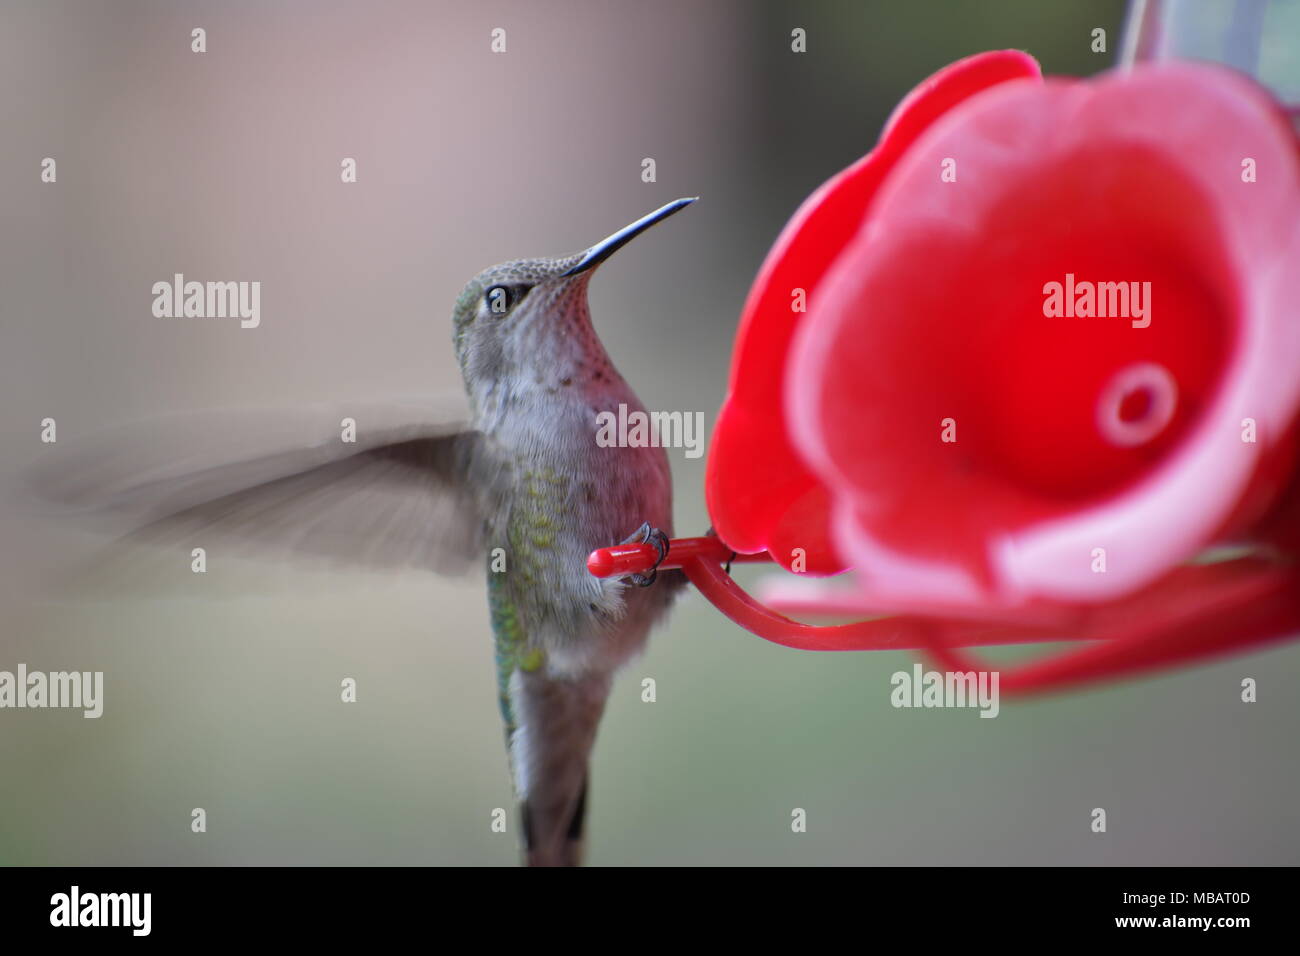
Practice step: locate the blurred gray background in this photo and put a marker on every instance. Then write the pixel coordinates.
(223, 689)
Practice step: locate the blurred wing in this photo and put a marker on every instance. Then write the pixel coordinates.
(275, 483)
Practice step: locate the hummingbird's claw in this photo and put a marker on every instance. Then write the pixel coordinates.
(648, 535)
(713, 534)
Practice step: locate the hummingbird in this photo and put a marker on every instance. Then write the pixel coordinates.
(538, 378)
(515, 480)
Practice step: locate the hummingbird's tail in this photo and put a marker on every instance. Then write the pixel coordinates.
(566, 851)
(556, 721)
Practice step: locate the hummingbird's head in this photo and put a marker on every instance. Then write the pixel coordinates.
(524, 326)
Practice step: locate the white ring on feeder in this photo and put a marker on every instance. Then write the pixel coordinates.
(1162, 401)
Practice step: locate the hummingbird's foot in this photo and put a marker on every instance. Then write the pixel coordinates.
(648, 535)
(713, 534)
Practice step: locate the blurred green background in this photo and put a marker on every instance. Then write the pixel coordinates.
(222, 690)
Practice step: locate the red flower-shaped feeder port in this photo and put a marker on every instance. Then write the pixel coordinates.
(1020, 369)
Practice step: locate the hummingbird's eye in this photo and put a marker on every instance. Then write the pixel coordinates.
(497, 299)
(500, 299)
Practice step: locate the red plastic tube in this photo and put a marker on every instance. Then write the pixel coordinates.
(1195, 612)
(702, 560)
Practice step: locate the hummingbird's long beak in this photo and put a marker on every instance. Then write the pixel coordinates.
(607, 247)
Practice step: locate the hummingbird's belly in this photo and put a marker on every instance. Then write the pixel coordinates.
(561, 510)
